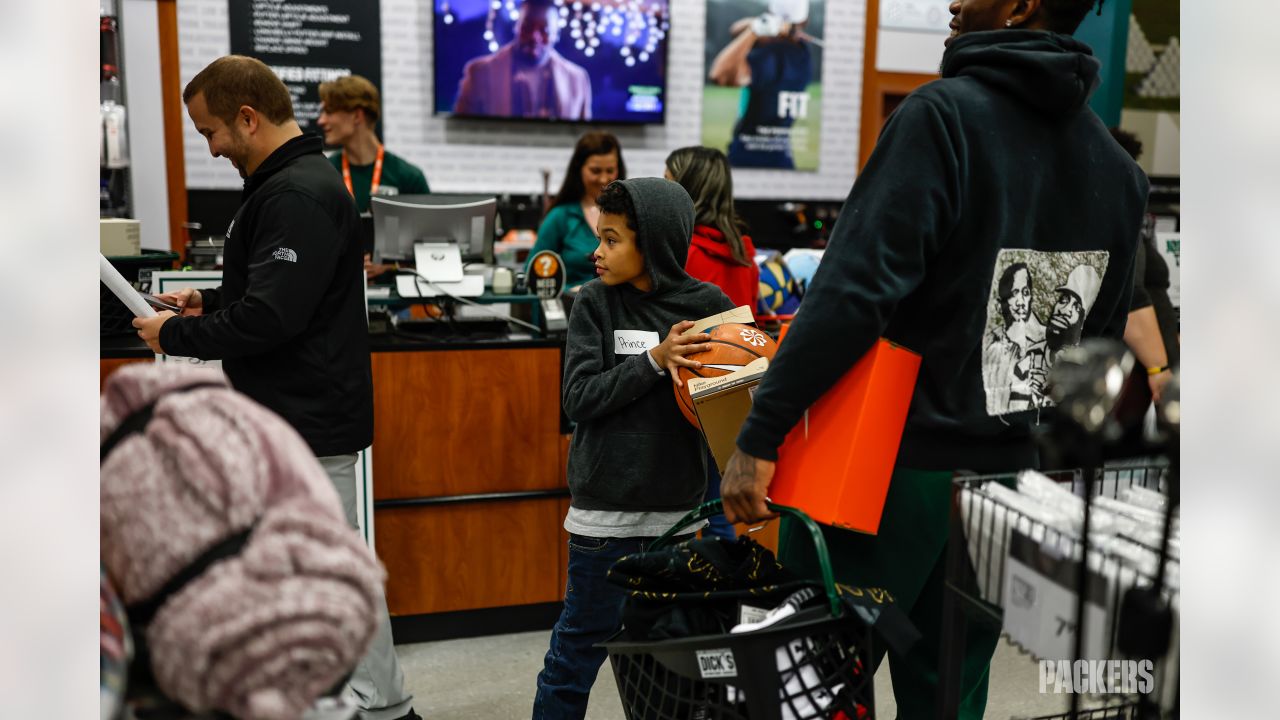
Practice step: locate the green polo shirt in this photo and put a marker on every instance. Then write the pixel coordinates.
(565, 230)
(397, 173)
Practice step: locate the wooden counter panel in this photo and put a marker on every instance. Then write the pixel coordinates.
(475, 555)
(106, 366)
(459, 422)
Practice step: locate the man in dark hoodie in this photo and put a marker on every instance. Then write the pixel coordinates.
(999, 162)
(635, 465)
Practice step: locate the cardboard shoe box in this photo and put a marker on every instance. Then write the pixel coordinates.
(722, 405)
(120, 237)
(725, 400)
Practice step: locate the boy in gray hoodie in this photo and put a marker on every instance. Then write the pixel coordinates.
(635, 465)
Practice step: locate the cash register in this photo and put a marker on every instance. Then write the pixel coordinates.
(435, 234)
(447, 241)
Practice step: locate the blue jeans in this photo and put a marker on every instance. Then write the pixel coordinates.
(592, 614)
(717, 525)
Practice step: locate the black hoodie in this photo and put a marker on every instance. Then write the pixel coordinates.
(995, 223)
(632, 450)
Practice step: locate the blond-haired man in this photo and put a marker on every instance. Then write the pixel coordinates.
(350, 108)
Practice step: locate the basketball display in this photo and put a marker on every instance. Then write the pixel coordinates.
(802, 263)
(779, 292)
(733, 346)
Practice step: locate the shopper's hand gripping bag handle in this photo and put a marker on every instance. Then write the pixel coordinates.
(714, 507)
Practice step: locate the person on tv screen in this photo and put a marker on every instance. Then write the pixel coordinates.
(527, 78)
(769, 56)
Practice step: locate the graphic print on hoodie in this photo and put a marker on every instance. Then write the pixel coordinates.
(632, 450)
(1039, 302)
(998, 163)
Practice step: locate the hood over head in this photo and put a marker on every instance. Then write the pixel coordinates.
(1052, 72)
(664, 213)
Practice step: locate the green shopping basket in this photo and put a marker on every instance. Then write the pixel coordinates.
(813, 664)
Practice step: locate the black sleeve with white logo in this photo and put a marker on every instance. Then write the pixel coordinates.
(293, 255)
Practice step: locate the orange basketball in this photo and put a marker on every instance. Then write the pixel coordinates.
(732, 346)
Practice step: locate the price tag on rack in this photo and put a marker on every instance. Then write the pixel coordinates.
(1040, 602)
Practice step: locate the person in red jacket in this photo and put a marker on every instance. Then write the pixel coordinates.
(719, 252)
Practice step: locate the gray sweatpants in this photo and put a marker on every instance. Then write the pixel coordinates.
(377, 681)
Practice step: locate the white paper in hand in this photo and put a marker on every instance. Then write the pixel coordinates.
(122, 289)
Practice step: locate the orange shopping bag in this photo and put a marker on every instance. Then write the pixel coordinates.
(836, 464)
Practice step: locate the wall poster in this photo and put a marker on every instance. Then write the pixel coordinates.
(307, 42)
(762, 96)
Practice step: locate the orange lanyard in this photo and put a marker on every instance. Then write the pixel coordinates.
(377, 173)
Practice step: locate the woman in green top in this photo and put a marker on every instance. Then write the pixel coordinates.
(569, 227)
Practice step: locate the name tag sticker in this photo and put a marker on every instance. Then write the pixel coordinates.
(633, 342)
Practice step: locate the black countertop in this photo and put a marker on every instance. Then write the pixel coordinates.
(131, 346)
(402, 341)
(123, 346)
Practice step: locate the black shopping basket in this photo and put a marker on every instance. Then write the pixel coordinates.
(814, 664)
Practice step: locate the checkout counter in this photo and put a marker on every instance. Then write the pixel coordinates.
(469, 488)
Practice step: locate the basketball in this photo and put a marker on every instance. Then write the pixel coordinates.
(732, 346)
(779, 293)
(802, 263)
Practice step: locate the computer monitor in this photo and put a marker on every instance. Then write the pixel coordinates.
(402, 220)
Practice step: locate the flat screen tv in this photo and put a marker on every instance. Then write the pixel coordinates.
(602, 61)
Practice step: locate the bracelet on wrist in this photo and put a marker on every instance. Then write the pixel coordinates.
(1157, 370)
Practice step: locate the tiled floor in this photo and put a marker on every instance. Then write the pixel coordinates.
(493, 677)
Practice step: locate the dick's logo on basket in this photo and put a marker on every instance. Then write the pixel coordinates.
(716, 663)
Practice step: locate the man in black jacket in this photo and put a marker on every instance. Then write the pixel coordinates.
(289, 322)
(1000, 163)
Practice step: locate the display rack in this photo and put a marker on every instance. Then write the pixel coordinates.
(113, 146)
(985, 528)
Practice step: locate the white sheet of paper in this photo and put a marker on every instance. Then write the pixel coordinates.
(122, 289)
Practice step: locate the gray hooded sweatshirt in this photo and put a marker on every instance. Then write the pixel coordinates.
(632, 449)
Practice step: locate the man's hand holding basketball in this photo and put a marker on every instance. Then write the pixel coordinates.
(671, 353)
(744, 487)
